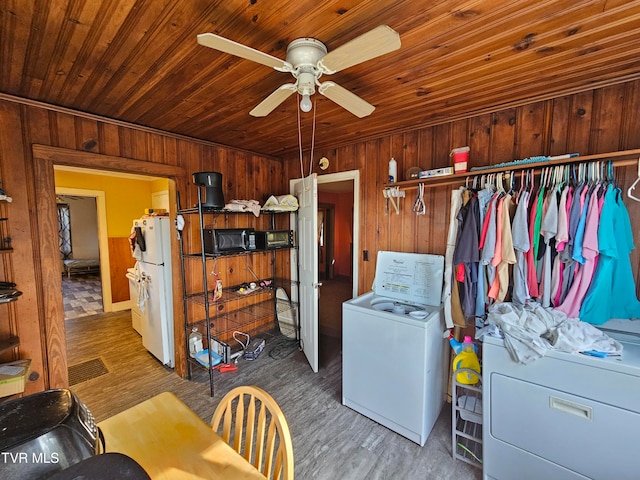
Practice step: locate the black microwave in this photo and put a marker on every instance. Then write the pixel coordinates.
(222, 240)
(272, 239)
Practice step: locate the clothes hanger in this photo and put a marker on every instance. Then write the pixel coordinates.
(633, 186)
(499, 185)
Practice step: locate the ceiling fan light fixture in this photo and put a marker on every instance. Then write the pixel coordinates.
(307, 60)
(305, 103)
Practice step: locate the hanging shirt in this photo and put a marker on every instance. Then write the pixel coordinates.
(612, 290)
(537, 222)
(488, 244)
(532, 280)
(556, 281)
(468, 254)
(521, 244)
(494, 289)
(563, 233)
(626, 304)
(548, 228)
(484, 197)
(508, 254)
(589, 248)
(577, 244)
(456, 203)
(561, 239)
(574, 218)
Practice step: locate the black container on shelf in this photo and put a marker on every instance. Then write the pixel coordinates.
(212, 181)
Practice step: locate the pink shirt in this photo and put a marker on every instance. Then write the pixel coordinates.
(532, 279)
(494, 290)
(582, 280)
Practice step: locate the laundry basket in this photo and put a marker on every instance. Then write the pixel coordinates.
(466, 420)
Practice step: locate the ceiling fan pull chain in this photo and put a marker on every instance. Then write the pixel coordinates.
(313, 135)
(300, 147)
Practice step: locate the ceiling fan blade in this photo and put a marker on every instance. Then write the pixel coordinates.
(347, 100)
(265, 107)
(229, 46)
(374, 43)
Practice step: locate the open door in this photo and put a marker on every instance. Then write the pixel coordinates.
(306, 190)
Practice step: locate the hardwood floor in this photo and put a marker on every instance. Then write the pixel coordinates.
(332, 293)
(330, 441)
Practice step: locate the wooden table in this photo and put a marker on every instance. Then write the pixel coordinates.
(171, 442)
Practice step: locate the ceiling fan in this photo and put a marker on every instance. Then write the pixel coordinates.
(307, 60)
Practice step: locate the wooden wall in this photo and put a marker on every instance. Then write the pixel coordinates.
(595, 121)
(91, 142)
(590, 122)
(120, 260)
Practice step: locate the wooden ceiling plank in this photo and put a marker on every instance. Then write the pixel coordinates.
(303, 13)
(38, 49)
(118, 55)
(498, 82)
(109, 20)
(15, 21)
(72, 33)
(472, 53)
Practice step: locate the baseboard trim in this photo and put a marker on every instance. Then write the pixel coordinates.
(119, 306)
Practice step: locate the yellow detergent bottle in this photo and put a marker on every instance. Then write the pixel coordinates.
(467, 358)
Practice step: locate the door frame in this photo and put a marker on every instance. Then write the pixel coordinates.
(328, 221)
(44, 157)
(353, 175)
(103, 239)
(340, 177)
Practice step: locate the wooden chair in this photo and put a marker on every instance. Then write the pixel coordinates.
(259, 430)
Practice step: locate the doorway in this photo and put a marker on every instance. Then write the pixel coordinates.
(80, 255)
(91, 360)
(336, 233)
(89, 357)
(89, 246)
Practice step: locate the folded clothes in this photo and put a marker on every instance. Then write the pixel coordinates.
(530, 330)
(283, 203)
(244, 206)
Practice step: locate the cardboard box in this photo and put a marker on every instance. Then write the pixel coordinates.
(436, 172)
(13, 377)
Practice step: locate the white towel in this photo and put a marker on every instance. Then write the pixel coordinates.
(244, 206)
(143, 288)
(283, 203)
(530, 330)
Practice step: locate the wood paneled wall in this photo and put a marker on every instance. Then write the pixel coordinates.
(119, 260)
(91, 142)
(596, 121)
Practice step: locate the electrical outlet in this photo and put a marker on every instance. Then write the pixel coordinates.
(365, 255)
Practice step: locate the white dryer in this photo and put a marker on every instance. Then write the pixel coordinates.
(393, 368)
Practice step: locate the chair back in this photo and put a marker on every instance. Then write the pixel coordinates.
(252, 423)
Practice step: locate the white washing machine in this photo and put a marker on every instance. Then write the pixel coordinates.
(393, 350)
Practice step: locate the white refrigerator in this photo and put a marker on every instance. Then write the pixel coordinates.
(154, 270)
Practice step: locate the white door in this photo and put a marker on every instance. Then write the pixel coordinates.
(306, 190)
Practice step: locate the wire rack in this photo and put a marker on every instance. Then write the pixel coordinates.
(466, 421)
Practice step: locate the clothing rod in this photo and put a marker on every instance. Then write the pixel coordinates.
(619, 159)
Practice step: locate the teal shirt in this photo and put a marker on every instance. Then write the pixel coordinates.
(612, 290)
